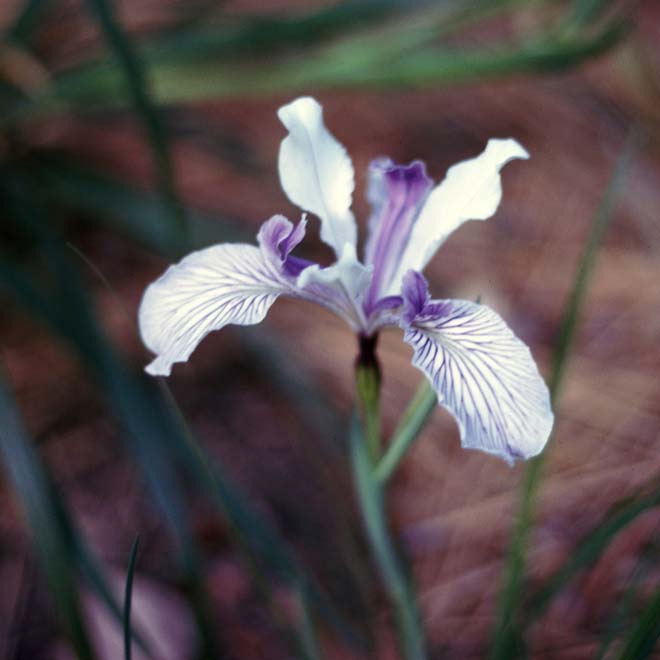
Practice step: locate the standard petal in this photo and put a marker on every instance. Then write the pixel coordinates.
(472, 190)
(396, 193)
(485, 376)
(316, 172)
(208, 289)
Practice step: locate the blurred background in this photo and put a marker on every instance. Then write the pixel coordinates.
(131, 133)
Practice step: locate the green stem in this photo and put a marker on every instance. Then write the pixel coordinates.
(367, 377)
(363, 438)
(412, 422)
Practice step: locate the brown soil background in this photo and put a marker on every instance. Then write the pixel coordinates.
(453, 508)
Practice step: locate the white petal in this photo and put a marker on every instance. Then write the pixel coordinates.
(472, 190)
(316, 172)
(348, 273)
(485, 376)
(208, 289)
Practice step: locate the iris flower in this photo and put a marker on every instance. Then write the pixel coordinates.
(482, 373)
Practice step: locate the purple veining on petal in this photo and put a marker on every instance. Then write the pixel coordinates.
(396, 193)
(483, 374)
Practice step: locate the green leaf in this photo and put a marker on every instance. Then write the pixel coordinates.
(590, 548)
(26, 21)
(128, 596)
(137, 82)
(137, 214)
(346, 62)
(509, 636)
(411, 424)
(38, 497)
(644, 636)
(157, 438)
(370, 498)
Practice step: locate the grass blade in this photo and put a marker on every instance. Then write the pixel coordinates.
(156, 440)
(128, 596)
(67, 311)
(26, 21)
(137, 83)
(509, 637)
(343, 63)
(134, 213)
(423, 403)
(38, 497)
(645, 634)
(591, 547)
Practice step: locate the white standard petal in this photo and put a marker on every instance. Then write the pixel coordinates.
(316, 172)
(208, 289)
(484, 375)
(471, 190)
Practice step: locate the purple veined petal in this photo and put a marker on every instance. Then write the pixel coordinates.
(471, 190)
(484, 375)
(316, 172)
(209, 289)
(396, 193)
(217, 286)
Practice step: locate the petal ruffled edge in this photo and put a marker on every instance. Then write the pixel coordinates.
(316, 172)
(471, 190)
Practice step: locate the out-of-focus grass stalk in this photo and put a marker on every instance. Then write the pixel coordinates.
(39, 500)
(371, 500)
(245, 531)
(345, 63)
(645, 632)
(137, 83)
(128, 597)
(410, 426)
(26, 20)
(623, 611)
(508, 638)
(65, 307)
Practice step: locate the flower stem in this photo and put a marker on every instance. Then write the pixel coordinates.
(367, 376)
(411, 424)
(365, 449)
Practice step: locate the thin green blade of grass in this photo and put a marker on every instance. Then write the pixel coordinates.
(27, 19)
(268, 553)
(128, 598)
(72, 184)
(412, 422)
(37, 495)
(582, 13)
(623, 611)
(151, 417)
(154, 435)
(342, 65)
(394, 576)
(508, 640)
(644, 635)
(137, 82)
(68, 312)
(306, 628)
(590, 548)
